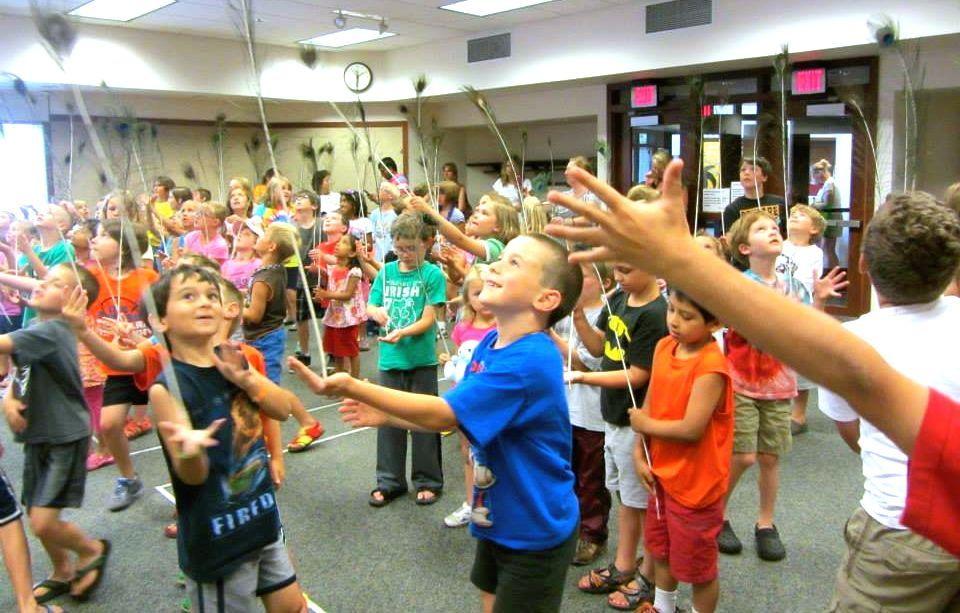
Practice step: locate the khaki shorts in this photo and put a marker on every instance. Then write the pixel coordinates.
(893, 570)
(761, 426)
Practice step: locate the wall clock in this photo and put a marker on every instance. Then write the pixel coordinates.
(358, 77)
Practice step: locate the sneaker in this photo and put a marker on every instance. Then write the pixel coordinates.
(727, 540)
(291, 325)
(364, 343)
(769, 545)
(125, 493)
(459, 518)
(98, 460)
(588, 552)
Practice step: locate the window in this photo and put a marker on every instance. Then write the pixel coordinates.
(23, 165)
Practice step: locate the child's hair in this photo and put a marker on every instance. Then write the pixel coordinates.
(450, 190)
(128, 206)
(507, 218)
(245, 188)
(129, 253)
(165, 182)
(181, 194)
(758, 161)
(204, 194)
(285, 237)
(716, 245)
(87, 281)
(581, 162)
(421, 190)
(243, 181)
(822, 165)
(216, 209)
(660, 159)
(408, 226)
(309, 195)
(316, 182)
(739, 233)
(199, 260)
(268, 175)
(560, 275)
(708, 317)
(507, 174)
(273, 189)
(605, 270)
(474, 274)
(819, 223)
(912, 248)
(643, 193)
(952, 197)
(428, 226)
(452, 168)
(230, 294)
(354, 201)
(390, 163)
(535, 215)
(160, 290)
(354, 261)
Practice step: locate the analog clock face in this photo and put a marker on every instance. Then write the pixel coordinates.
(358, 77)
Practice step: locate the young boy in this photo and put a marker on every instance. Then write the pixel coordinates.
(753, 177)
(403, 301)
(887, 566)
(208, 239)
(511, 406)
(919, 420)
(626, 335)
(305, 207)
(805, 259)
(230, 543)
(586, 419)
(47, 413)
(53, 248)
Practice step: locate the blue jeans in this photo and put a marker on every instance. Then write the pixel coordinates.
(272, 345)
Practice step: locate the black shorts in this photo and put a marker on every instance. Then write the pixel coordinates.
(293, 277)
(528, 581)
(303, 311)
(9, 509)
(54, 476)
(120, 389)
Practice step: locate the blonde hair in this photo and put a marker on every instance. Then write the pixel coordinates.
(244, 183)
(450, 191)
(643, 193)
(739, 232)
(474, 274)
(215, 209)
(823, 165)
(952, 197)
(508, 221)
(819, 223)
(581, 162)
(273, 190)
(535, 216)
(715, 244)
(285, 237)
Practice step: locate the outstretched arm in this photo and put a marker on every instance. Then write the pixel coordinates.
(450, 231)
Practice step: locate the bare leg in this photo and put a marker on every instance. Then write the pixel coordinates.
(112, 419)
(299, 412)
(706, 596)
(60, 537)
(303, 337)
(769, 483)
(286, 600)
(630, 529)
(467, 467)
(739, 465)
(16, 557)
(664, 580)
(291, 299)
(799, 409)
(488, 600)
(355, 367)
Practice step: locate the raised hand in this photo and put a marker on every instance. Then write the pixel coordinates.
(232, 364)
(359, 415)
(187, 442)
(329, 386)
(829, 286)
(75, 310)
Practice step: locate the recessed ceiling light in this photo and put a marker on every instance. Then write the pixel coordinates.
(343, 38)
(482, 8)
(119, 10)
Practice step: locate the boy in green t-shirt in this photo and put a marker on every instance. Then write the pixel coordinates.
(403, 300)
(52, 249)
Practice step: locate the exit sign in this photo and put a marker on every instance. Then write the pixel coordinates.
(809, 81)
(643, 96)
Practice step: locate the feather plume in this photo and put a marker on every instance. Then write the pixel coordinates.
(781, 65)
(308, 55)
(56, 31)
(188, 172)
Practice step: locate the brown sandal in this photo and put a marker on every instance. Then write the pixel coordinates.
(604, 580)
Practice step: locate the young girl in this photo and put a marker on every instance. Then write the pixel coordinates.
(687, 417)
(382, 219)
(241, 208)
(805, 226)
(506, 185)
(493, 224)
(240, 268)
(359, 226)
(475, 323)
(346, 310)
(208, 239)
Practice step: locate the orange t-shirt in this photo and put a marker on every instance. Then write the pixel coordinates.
(126, 294)
(694, 474)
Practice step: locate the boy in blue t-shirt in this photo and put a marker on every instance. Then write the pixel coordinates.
(512, 407)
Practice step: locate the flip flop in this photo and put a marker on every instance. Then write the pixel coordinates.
(425, 502)
(388, 497)
(99, 566)
(55, 589)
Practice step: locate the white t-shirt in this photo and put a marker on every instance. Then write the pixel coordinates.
(360, 227)
(509, 191)
(329, 203)
(583, 400)
(920, 341)
(807, 261)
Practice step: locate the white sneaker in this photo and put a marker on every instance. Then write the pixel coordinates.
(460, 517)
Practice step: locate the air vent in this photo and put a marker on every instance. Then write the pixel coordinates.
(678, 14)
(488, 48)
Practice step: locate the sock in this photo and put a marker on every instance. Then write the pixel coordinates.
(664, 601)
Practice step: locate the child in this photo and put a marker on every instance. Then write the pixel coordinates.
(915, 331)
(918, 420)
(448, 197)
(117, 306)
(241, 208)
(476, 322)
(187, 221)
(239, 269)
(687, 419)
(263, 318)
(389, 172)
(493, 224)
(360, 227)
(586, 420)
(310, 233)
(382, 220)
(208, 238)
(52, 249)
(626, 335)
(805, 226)
(346, 310)
(230, 543)
(511, 407)
(403, 300)
(52, 421)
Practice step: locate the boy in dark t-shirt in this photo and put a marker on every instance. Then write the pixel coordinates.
(229, 541)
(626, 335)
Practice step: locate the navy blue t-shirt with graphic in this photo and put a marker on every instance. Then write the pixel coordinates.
(512, 408)
(233, 514)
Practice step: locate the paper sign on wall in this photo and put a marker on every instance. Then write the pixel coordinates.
(715, 200)
(736, 190)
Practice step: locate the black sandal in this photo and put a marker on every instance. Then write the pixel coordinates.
(54, 589)
(605, 580)
(387, 497)
(99, 566)
(425, 502)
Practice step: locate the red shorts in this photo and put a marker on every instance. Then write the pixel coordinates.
(686, 537)
(341, 342)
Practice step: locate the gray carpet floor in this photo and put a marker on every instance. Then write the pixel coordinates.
(354, 558)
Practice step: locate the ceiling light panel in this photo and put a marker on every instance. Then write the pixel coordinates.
(482, 8)
(119, 10)
(344, 38)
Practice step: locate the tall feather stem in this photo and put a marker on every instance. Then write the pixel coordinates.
(246, 15)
